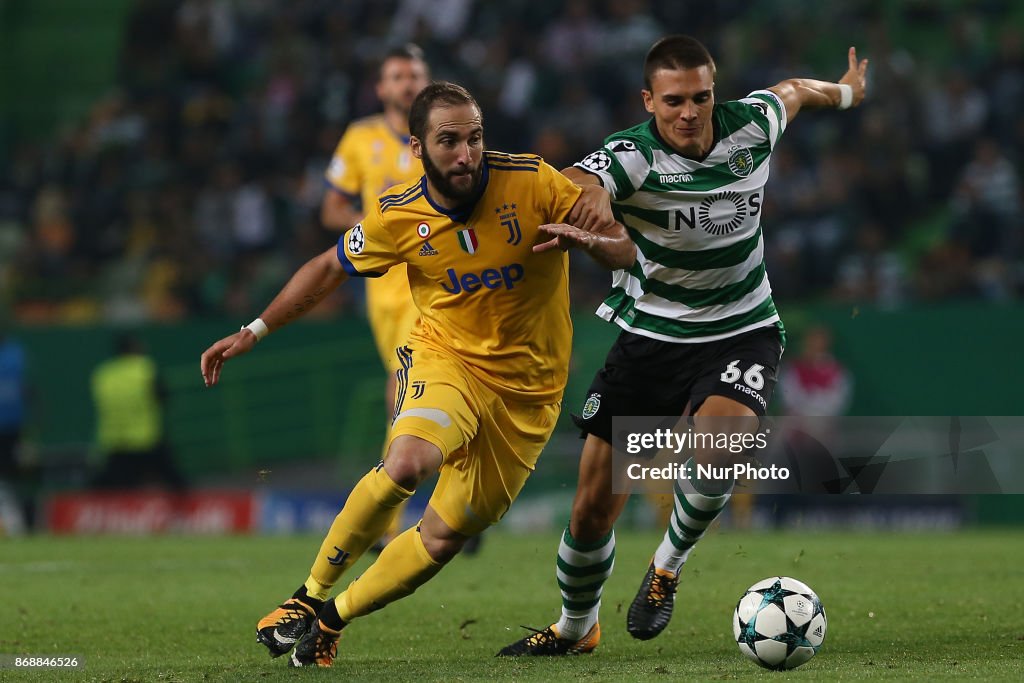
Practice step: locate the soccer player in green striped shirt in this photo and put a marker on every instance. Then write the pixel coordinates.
(700, 332)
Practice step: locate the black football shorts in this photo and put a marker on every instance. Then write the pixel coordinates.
(644, 376)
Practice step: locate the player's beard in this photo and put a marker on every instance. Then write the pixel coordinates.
(400, 104)
(443, 183)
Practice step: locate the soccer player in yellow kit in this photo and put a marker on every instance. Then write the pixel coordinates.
(372, 156)
(482, 376)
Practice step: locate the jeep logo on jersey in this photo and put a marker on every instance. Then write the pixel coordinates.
(355, 239)
(489, 278)
(721, 213)
(596, 161)
(741, 162)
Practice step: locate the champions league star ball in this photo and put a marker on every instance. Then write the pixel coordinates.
(779, 623)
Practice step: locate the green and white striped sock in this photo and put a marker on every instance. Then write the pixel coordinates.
(582, 570)
(692, 514)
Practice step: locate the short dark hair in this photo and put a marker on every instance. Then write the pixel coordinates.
(437, 94)
(676, 52)
(410, 51)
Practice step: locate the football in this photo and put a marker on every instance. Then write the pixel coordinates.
(779, 623)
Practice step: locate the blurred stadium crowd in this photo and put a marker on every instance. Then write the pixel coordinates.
(193, 186)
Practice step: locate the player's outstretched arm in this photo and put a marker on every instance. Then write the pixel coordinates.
(319, 277)
(611, 247)
(800, 93)
(593, 209)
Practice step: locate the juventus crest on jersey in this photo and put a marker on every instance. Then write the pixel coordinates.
(699, 274)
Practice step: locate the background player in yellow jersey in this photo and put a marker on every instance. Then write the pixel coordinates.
(372, 156)
(482, 376)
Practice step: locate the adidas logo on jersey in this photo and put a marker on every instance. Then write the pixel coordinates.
(427, 250)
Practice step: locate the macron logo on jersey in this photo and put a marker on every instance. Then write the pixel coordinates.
(489, 278)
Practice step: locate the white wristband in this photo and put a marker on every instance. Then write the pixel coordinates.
(845, 96)
(258, 327)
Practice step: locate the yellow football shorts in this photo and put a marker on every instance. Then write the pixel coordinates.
(490, 445)
(391, 313)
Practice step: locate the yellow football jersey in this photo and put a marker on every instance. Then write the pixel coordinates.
(370, 158)
(484, 297)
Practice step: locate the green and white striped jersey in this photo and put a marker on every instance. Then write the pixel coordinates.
(699, 273)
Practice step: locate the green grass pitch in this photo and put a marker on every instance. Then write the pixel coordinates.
(900, 606)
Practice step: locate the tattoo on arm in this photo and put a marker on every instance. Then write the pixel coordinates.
(308, 302)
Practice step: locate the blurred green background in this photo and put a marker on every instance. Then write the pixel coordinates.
(313, 393)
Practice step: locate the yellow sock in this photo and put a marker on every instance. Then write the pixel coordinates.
(395, 527)
(403, 566)
(368, 512)
(396, 524)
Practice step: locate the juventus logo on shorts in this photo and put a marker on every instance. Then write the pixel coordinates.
(418, 387)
